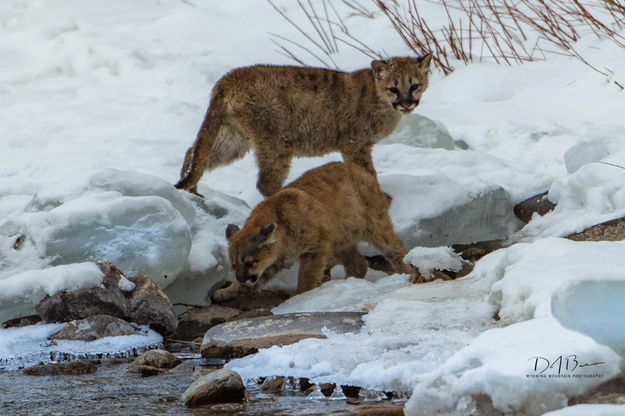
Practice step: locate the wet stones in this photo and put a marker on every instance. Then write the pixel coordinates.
(149, 305)
(221, 386)
(246, 336)
(154, 362)
(72, 368)
(21, 321)
(107, 299)
(613, 230)
(95, 327)
(195, 322)
(137, 299)
(539, 204)
(158, 359)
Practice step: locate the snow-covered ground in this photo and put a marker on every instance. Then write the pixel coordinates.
(99, 101)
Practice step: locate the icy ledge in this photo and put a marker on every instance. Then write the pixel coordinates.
(29, 346)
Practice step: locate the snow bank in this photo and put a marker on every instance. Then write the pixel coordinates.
(531, 273)
(33, 285)
(499, 367)
(427, 259)
(113, 216)
(20, 293)
(593, 308)
(591, 194)
(29, 346)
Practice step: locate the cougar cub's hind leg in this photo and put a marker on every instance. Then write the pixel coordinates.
(273, 170)
(383, 237)
(186, 166)
(203, 144)
(228, 147)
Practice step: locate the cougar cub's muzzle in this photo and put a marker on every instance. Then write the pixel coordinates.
(406, 106)
(248, 279)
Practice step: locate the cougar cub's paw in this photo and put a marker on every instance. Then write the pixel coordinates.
(230, 291)
(416, 276)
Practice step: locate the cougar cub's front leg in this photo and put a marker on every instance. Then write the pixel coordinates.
(311, 270)
(230, 291)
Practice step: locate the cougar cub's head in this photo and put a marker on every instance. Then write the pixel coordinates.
(401, 81)
(252, 250)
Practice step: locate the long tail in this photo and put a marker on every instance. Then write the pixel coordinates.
(197, 157)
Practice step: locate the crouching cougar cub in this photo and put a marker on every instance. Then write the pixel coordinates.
(283, 112)
(317, 219)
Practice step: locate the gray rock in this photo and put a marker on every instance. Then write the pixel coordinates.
(95, 327)
(539, 204)
(146, 304)
(221, 386)
(147, 370)
(149, 305)
(482, 214)
(157, 359)
(107, 299)
(246, 336)
(419, 131)
(194, 323)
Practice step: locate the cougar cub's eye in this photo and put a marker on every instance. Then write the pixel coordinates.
(393, 90)
(249, 264)
(414, 87)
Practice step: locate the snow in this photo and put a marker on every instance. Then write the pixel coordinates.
(590, 307)
(427, 259)
(125, 285)
(532, 272)
(99, 102)
(28, 346)
(590, 409)
(33, 285)
(497, 364)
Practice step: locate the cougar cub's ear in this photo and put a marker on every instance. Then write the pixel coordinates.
(424, 61)
(231, 230)
(266, 233)
(380, 68)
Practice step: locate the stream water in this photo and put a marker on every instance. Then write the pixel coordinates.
(113, 390)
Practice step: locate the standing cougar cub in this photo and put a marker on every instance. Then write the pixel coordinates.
(317, 219)
(283, 111)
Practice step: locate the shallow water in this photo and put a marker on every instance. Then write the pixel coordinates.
(114, 390)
